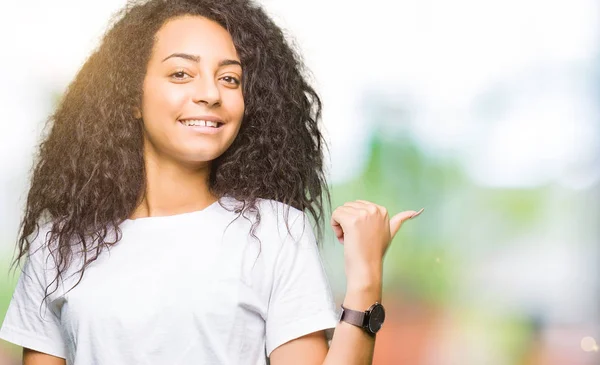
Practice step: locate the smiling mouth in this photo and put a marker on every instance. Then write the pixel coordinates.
(201, 123)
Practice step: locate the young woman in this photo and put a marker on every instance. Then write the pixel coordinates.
(168, 216)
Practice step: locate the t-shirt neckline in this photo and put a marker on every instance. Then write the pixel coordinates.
(170, 218)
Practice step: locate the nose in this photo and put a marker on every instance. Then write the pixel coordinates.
(206, 91)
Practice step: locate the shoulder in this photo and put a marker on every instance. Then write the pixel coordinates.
(39, 240)
(275, 217)
(279, 222)
(292, 224)
(272, 209)
(36, 259)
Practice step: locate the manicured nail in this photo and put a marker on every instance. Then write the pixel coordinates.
(417, 213)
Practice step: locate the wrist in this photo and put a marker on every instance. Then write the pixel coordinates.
(360, 295)
(364, 278)
(361, 301)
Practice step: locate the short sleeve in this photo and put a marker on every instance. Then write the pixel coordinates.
(301, 299)
(30, 322)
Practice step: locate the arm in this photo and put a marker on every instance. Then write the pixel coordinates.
(30, 321)
(350, 344)
(366, 232)
(32, 357)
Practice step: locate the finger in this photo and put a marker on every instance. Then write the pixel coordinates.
(355, 205)
(340, 215)
(417, 213)
(339, 232)
(380, 207)
(398, 219)
(365, 205)
(337, 227)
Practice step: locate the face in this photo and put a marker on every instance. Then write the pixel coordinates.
(193, 82)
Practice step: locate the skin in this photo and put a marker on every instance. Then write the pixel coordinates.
(178, 159)
(366, 231)
(178, 166)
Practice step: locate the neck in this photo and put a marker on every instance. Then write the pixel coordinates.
(172, 188)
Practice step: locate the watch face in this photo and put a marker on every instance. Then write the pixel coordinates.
(376, 318)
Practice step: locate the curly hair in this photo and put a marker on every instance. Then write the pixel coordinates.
(89, 174)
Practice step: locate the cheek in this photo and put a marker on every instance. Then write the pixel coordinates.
(162, 100)
(238, 106)
(242, 108)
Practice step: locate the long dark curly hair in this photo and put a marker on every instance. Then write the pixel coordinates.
(89, 174)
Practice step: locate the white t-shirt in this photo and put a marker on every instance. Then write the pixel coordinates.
(192, 288)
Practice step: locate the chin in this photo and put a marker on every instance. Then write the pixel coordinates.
(198, 158)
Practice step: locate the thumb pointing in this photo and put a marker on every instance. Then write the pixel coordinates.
(398, 219)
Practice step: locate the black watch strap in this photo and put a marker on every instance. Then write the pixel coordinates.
(370, 320)
(356, 318)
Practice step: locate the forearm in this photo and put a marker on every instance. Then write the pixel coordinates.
(351, 345)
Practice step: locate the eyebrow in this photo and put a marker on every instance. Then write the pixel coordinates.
(196, 59)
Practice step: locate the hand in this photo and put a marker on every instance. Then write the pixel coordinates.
(366, 231)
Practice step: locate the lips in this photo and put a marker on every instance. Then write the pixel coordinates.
(199, 127)
(201, 123)
(204, 118)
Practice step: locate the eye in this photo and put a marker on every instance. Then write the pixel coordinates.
(231, 80)
(180, 75)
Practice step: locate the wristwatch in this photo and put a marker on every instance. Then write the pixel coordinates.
(371, 320)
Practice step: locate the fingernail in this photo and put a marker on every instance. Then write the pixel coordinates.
(417, 213)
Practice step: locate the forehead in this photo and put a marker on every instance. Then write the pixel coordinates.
(194, 35)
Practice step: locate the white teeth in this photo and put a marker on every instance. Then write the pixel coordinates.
(203, 123)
